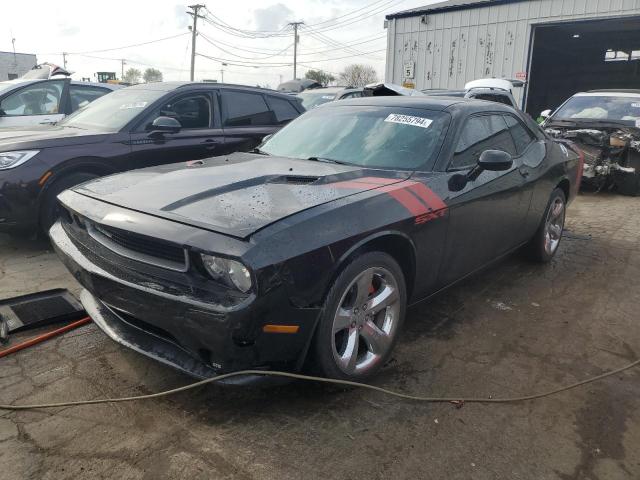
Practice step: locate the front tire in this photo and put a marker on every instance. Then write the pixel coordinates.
(544, 244)
(50, 209)
(361, 318)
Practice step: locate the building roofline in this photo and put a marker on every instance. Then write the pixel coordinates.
(446, 7)
(19, 53)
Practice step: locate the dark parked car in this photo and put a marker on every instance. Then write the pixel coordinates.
(135, 127)
(312, 248)
(26, 102)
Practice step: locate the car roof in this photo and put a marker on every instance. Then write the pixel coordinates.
(621, 90)
(329, 90)
(421, 102)
(110, 86)
(170, 86)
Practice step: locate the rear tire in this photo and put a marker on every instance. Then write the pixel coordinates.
(50, 209)
(544, 244)
(361, 318)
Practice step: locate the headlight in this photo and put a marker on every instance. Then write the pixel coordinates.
(228, 272)
(13, 159)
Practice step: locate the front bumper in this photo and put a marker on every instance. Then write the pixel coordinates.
(177, 329)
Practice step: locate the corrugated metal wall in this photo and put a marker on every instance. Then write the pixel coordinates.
(17, 64)
(455, 47)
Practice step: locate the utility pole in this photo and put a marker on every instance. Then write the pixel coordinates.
(64, 59)
(222, 72)
(194, 34)
(296, 39)
(122, 69)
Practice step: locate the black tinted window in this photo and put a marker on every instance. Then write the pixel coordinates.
(282, 109)
(521, 136)
(193, 111)
(82, 96)
(246, 109)
(480, 133)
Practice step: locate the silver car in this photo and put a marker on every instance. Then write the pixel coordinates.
(26, 102)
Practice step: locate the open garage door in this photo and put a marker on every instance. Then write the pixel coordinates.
(585, 55)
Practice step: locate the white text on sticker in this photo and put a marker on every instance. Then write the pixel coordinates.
(409, 120)
(126, 106)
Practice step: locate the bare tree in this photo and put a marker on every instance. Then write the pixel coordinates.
(357, 75)
(320, 76)
(152, 75)
(132, 76)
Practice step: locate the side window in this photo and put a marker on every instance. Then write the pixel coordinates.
(43, 98)
(480, 133)
(81, 95)
(283, 110)
(193, 111)
(521, 136)
(245, 109)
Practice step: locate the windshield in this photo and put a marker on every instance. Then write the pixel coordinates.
(600, 107)
(376, 137)
(313, 99)
(4, 86)
(113, 111)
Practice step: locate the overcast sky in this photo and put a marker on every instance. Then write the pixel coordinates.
(83, 28)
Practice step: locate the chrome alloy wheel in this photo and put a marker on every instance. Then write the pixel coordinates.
(366, 321)
(554, 225)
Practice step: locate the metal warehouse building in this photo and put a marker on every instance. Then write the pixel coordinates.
(559, 46)
(14, 65)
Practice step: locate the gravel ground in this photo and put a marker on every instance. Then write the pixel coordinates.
(515, 329)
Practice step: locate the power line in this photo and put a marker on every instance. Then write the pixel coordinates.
(283, 64)
(377, 11)
(215, 44)
(118, 48)
(346, 14)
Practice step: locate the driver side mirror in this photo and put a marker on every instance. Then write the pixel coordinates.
(490, 160)
(495, 161)
(164, 125)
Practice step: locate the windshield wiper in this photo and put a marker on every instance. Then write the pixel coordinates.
(328, 160)
(260, 152)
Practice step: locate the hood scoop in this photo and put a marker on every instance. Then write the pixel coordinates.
(294, 180)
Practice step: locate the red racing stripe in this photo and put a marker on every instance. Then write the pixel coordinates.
(411, 203)
(433, 201)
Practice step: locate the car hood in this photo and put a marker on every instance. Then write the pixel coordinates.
(46, 136)
(235, 195)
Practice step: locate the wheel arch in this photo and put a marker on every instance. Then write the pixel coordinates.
(565, 186)
(396, 244)
(92, 165)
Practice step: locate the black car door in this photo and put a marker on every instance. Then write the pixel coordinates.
(487, 215)
(200, 135)
(247, 118)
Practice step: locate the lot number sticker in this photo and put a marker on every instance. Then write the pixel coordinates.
(409, 120)
(127, 106)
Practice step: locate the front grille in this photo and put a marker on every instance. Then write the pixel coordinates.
(142, 244)
(134, 246)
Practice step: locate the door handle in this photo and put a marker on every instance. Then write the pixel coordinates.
(211, 143)
(524, 172)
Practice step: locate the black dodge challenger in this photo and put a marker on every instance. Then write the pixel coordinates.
(308, 251)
